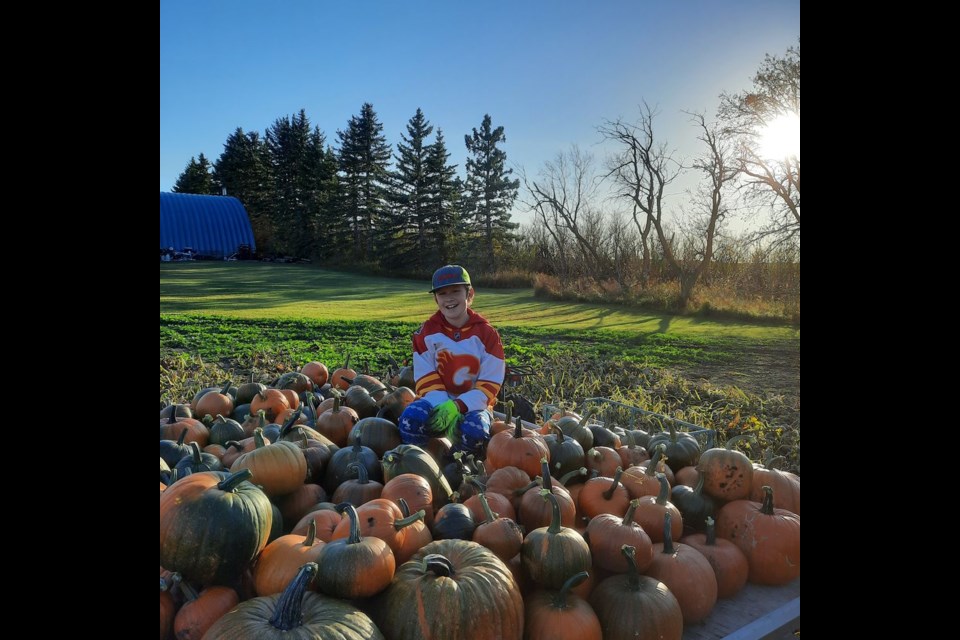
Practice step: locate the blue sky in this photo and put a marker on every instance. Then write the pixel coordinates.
(549, 72)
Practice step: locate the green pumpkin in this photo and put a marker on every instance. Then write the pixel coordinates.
(462, 590)
(212, 527)
(683, 450)
(295, 614)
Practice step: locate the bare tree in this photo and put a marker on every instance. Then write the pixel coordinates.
(562, 198)
(643, 169)
(746, 115)
(719, 168)
(641, 172)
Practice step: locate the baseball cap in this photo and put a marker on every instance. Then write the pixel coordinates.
(449, 275)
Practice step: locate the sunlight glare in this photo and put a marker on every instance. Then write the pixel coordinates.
(781, 138)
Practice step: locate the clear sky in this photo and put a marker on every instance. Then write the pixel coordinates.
(548, 71)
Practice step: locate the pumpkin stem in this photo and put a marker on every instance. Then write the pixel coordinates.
(608, 494)
(558, 431)
(311, 533)
(409, 520)
(545, 474)
(289, 612)
(570, 475)
(711, 531)
(554, 527)
(633, 577)
(233, 480)
(195, 453)
(659, 454)
(491, 516)
(518, 432)
(188, 592)
(183, 435)
(363, 476)
(258, 438)
(698, 490)
(664, 490)
(767, 507)
(404, 507)
(628, 517)
(559, 600)
(290, 421)
(438, 564)
(667, 533)
(354, 521)
(522, 490)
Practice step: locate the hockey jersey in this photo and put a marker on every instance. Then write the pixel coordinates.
(458, 363)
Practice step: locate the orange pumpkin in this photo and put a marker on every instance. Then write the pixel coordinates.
(769, 537)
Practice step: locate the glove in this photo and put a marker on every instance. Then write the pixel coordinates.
(445, 419)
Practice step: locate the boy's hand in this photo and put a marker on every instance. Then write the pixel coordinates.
(446, 417)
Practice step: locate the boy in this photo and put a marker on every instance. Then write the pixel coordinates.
(458, 367)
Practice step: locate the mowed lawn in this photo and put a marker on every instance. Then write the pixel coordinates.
(256, 290)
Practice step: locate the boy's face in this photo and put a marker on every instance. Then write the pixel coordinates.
(453, 302)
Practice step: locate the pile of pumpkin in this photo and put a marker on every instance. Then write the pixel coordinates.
(297, 508)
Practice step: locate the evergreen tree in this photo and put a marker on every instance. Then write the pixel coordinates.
(409, 222)
(324, 225)
(490, 192)
(364, 157)
(197, 178)
(289, 142)
(442, 207)
(244, 170)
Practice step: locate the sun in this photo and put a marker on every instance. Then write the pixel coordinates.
(781, 137)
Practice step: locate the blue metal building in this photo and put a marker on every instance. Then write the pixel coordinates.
(212, 226)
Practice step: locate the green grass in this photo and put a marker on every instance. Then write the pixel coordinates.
(304, 292)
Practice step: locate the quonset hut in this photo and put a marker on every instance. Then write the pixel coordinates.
(210, 226)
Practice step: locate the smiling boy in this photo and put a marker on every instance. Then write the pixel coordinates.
(458, 367)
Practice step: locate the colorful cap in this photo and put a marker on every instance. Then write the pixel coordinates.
(450, 275)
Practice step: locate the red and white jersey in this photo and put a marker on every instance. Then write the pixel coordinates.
(465, 363)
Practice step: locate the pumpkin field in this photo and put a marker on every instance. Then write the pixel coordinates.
(289, 503)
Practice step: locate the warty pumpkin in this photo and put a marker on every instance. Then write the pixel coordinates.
(295, 614)
(454, 590)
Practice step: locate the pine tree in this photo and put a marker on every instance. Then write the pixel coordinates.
(364, 157)
(443, 197)
(197, 178)
(490, 192)
(243, 169)
(290, 143)
(324, 225)
(409, 221)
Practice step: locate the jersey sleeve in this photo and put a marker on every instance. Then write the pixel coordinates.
(428, 383)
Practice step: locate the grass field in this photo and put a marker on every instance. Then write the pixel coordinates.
(304, 292)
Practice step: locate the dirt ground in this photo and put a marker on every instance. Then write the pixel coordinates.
(766, 370)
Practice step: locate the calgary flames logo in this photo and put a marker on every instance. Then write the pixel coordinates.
(458, 371)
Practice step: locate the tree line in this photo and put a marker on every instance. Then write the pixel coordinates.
(619, 221)
(362, 202)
